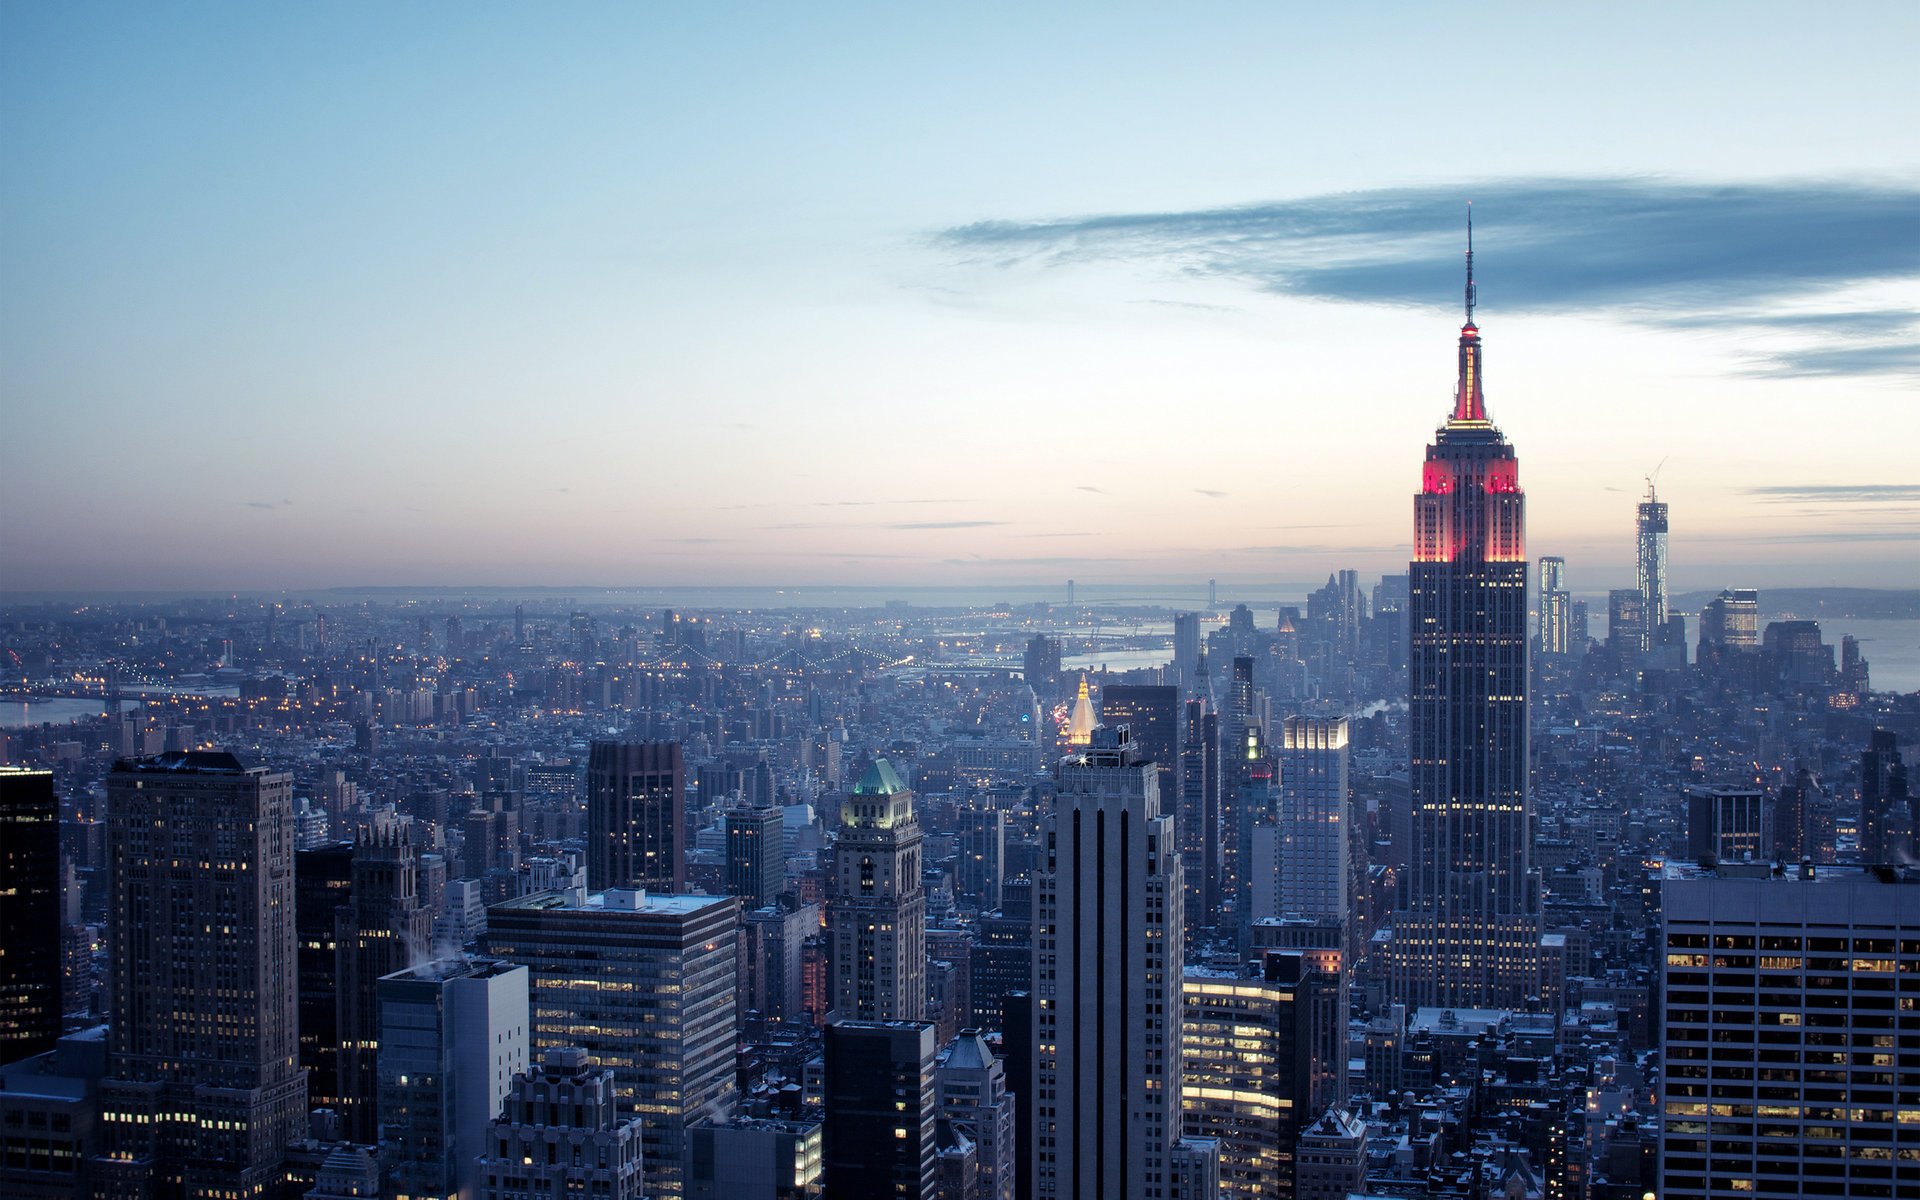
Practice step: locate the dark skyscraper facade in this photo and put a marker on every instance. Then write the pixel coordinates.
(636, 815)
(756, 863)
(880, 1111)
(381, 929)
(1151, 714)
(1468, 930)
(29, 914)
(203, 1078)
(1887, 825)
(323, 880)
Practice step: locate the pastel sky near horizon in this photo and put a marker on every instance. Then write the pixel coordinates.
(305, 295)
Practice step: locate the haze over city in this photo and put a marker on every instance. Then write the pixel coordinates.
(347, 295)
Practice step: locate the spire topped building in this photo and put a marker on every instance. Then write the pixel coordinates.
(1468, 930)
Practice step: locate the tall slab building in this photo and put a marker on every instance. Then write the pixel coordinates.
(1107, 982)
(29, 914)
(204, 1090)
(877, 913)
(636, 816)
(1467, 932)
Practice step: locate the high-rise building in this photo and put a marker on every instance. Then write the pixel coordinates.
(880, 1110)
(756, 855)
(645, 984)
(1785, 1074)
(30, 926)
(772, 940)
(455, 1036)
(1555, 606)
(877, 913)
(1200, 827)
(1725, 824)
(980, 865)
(382, 928)
(1186, 645)
(1732, 619)
(323, 880)
(1254, 1069)
(1467, 929)
(1887, 815)
(636, 815)
(560, 1133)
(1305, 872)
(754, 1158)
(1650, 559)
(1628, 634)
(1242, 755)
(1151, 713)
(970, 1091)
(204, 1090)
(1106, 976)
(1042, 664)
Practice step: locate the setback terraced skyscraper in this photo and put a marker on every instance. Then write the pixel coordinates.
(1467, 933)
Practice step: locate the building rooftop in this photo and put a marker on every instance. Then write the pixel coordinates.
(630, 900)
(880, 779)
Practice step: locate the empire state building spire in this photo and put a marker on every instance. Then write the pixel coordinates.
(1469, 404)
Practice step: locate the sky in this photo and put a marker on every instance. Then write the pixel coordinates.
(300, 296)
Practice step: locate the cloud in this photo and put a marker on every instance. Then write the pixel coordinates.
(1211, 494)
(944, 524)
(1836, 493)
(1668, 253)
(269, 504)
(1085, 487)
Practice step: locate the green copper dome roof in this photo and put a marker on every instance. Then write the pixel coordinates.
(880, 780)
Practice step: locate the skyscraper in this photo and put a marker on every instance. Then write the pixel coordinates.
(970, 1086)
(1785, 1075)
(645, 984)
(382, 928)
(1151, 713)
(636, 814)
(1300, 863)
(1555, 606)
(1107, 982)
(1887, 817)
(323, 880)
(1467, 933)
(203, 1078)
(29, 914)
(756, 854)
(1650, 560)
(880, 1111)
(877, 912)
(456, 1037)
(1201, 830)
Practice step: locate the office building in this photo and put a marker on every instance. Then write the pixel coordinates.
(1650, 559)
(1259, 1052)
(1186, 646)
(1732, 619)
(1310, 869)
(1887, 816)
(1110, 911)
(1201, 829)
(1726, 825)
(1467, 929)
(30, 925)
(772, 945)
(1556, 605)
(561, 1133)
(877, 913)
(50, 1119)
(1042, 663)
(323, 880)
(754, 1158)
(756, 855)
(454, 1035)
(645, 984)
(1629, 635)
(880, 1110)
(1151, 713)
(1786, 1037)
(203, 1090)
(970, 1092)
(382, 928)
(636, 816)
(981, 862)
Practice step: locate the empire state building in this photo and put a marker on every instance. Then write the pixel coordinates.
(1467, 933)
